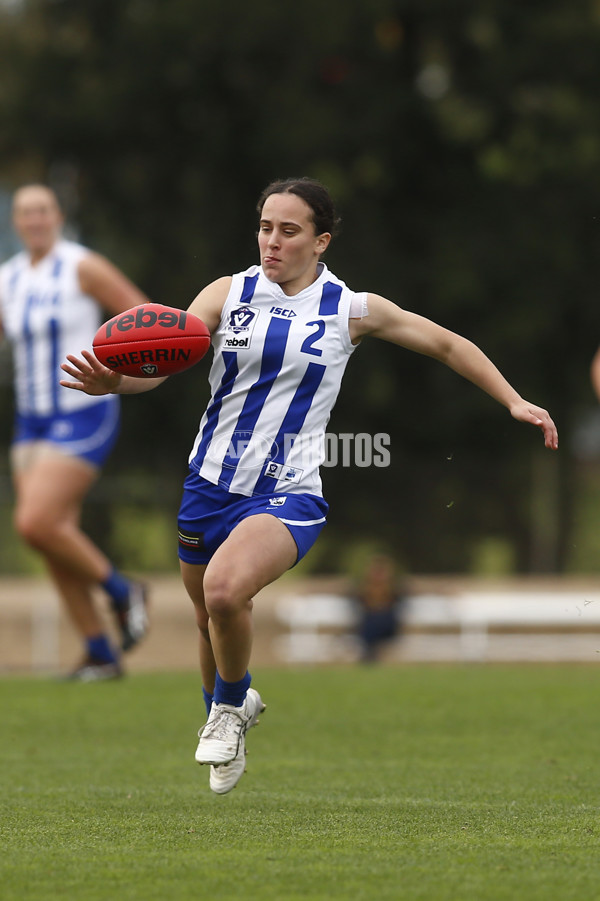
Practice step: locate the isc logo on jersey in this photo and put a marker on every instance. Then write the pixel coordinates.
(281, 311)
(241, 323)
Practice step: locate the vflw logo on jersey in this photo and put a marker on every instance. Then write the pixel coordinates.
(240, 327)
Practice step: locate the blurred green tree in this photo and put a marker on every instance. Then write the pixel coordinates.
(461, 142)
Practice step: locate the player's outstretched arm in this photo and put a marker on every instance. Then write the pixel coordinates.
(93, 378)
(388, 321)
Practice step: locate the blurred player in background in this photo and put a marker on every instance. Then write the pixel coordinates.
(380, 599)
(595, 373)
(53, 298)
(252, 506)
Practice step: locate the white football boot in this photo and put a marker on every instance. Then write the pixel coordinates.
(132, 616)
(222, 741)
(226, 776)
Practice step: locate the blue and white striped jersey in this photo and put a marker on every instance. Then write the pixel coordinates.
(277, 369)
(45, 315)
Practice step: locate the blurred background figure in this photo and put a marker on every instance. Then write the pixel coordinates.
(53, 297)
(595, 373)
(380, 599)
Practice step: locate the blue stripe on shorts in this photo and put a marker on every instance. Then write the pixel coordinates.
(209, 513)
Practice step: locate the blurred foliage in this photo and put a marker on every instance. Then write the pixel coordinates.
(461, 141)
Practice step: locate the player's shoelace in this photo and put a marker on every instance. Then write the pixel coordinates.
(222, 725)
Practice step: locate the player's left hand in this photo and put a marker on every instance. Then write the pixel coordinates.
(526, 412)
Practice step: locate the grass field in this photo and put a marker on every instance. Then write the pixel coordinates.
(363, 783)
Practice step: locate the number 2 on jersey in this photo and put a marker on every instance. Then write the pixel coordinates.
(309, 342)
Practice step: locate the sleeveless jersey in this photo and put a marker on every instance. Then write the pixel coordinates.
(45, 315)
(277, 369)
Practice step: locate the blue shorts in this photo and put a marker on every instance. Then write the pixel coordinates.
(89, 433)
(209, 513)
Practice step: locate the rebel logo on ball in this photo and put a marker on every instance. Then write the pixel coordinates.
(145, 318)
(151, 340)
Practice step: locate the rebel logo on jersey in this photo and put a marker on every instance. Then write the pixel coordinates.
(151, 340)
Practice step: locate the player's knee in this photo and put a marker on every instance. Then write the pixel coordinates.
(33, 529)
(222, 595)
(28, 528)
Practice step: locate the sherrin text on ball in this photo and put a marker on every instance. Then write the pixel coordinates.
(151, 340)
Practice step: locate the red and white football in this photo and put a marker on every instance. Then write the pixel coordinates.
(151, 340)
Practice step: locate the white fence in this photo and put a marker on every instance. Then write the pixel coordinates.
(443, 619)
(469, 625)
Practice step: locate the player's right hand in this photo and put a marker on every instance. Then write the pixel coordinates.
(90, 375)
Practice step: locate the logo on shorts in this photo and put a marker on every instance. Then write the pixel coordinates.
(193, 541)
(61, 430)
(277, 501)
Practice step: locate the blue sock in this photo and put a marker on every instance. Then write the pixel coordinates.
(233, 693)
(99, 648)
(117, 586)
(208, 699)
